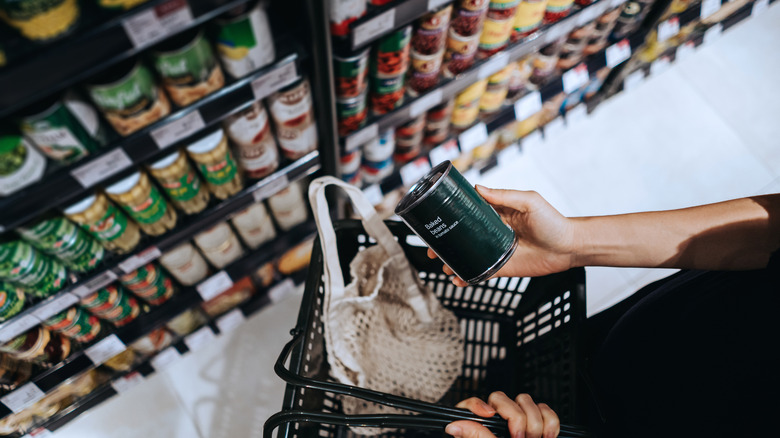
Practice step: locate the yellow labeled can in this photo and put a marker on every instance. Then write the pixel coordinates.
(40, 20)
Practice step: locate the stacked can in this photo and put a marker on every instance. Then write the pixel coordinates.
(289, 207)
(437, 123)
(572, 51)
(350, 167)
(105, 222)
(343, 13)
(180, 182)
(112, 305)
(497, 30)
(250, 131)
(466, 107)
(528, 19)
(254, 225)
(351, 89)
(495, 92)
(150, 284)
(143, 202)
(604, 25)
(428, 50)
(64, 240)
(244, 41)
(543, 63)
(23, 265)
(463, 36)
(389, 64)
(293, 114)
(557, 9)
(217, 165)
(352, 112)
(11, 300)
(378, 157)
(408, 140)
(75, 324)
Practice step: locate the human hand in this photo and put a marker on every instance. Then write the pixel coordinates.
(526, 419)
(546, 238)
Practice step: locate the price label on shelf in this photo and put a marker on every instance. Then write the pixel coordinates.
(528, 105)
(22, 397)
(54, 306)
(532, 140)
(102, 280)
(412, 172)
(660, 65)
(554, 128)
(178, 129)
(473, 137)
(446, 151)
(575, 78)
(633, 80)
(508, 155)
(200, 337)
(270, 188)
(230, 321)
(667, 29)
(165, 358)
(17, 326)
(685, 50)
(275, 79)
(576, 115)
(281, 290)
(433, 4)
(713, 33)
(128, 381)
(142, 258)
(214, 285)
(425, 103)
(374, 194)
(494, 65)
(151, 25)
(374, 27)
(101, 168)
(618, 53)
(105, 349)
(588, 14)
(759, 7)
(362, 137)
(709, 7)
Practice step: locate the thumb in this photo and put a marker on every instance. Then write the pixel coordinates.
(516, 199)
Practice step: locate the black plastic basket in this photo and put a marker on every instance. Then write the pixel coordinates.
(521, 335)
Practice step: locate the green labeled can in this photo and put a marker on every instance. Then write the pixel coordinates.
(25, 266)
(113, 305)
(244, 41)
(105, 222)
(11, 300)
(150, 284)
(448, 214)
(64, 240)
(75, 324)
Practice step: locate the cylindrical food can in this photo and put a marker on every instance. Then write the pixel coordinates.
(64, 240)
(288, 207)
(256, 150)
(188, 67)
(185, 264)
(293, 114)
(431, 31)
(557, 9)
(628, 20)
(129, 98)
(448, 214)
(216, 164)
(502, 9)
(529, 18)
(150, 284)
(389, 65)
(144, 203)
(119, 4)
(57, 132)
(495, 36)
(467, 105)
(486, 149)
(25, 266)
(387, 94)
(544, 63)
(468, 17)
(351, 113)
(75, 324)
(378, 157)
(20, 164)
(460, 54)
(495, 92)
(244, 39)
(105, 222)
(425, 72)
(351, 74)
(180, 182)
(38, 345)
(219, 245)
(519, 78)
(408, 140)
(40, 20)
(11, 300)
(437, 123)
(343, 13)
(254, 225)
(113, 305)
(349, 166)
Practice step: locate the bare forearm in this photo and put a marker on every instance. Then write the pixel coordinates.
(733, 235)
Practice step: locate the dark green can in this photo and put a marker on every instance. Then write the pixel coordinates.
(448, 214)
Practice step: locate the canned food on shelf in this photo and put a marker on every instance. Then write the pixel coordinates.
(293, 114)
(460, 54)
(219, 245)
(557, 9)
(143, 202)
(105, 222)
(529, 18)
(20, 164)
(349, 167)
(351, 113)
(11, 300)
(113, 305)
(244, 39)
(39, 346)
(185, 264)
(289, 207)
(180, 182)
(217, 165)
(250, 131)
(254, 225)
(351, 74)
(25, 266)
(149, 283)
(76, 324)
(41, 20)
(62, 239)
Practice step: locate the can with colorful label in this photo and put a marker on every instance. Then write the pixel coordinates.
(557, 9)
(22, 264)
(250, 131)
(11, 300)
(40, 20)
(387, 94)
(378, 157)
(460, 54)
(143, 202)
(529, 18)
(180, 182)
(105, 221)
(150, 284)
(425, 72)
(62, 239)
(217, 165)
(113, 305)
(468, 22)
(343, 13)
(349, 167)
(20, 164)
(495, 36)
(389, 64)
(502, 9)
(351, 113)
(467, 105)
(351, 74)
(76, 324)
(495, 92)
(293, 114)
(244, 40)
(431, 30)
(254, 225)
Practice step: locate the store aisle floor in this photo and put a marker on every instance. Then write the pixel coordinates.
(703, 131)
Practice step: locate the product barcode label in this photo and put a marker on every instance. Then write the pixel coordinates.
(105, 349)
(105, 278)
(713, 33)
(494, 65)
(412, 172)
(685, 50)
(101, 168)
(22, 397)
(374, 194)
(153, 24)
(667, 29)
(54, 306)
(576, 115)
(508, 155)
(446, 151)
(554, 128)
(178, 129)
(281, 290)
(17, 326)
(618, 52)
(140, 259)
(214, 285)
(230, 321)
(425, 103)
(362, 137)
(709, 7)
(200, 337)
(275, 79)
(575, 78)
(759, 7)
(633, 80)
(270, 188)
(373, 28)
(473, 137)
(528, 105)
(165, 358)
(660, 65)
(128, 381)
(532, 140)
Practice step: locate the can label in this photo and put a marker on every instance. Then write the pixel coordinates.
(495, 34)
(22, 264)
(187, 67)
(251, 131)
(351, 75)
(294, 116)
(529, 16)
(559, 6)
(184, 188)
(388, 94)
(221, 172)
(11, 300)
(111, 226)
(59, 135)
(351, 114)
(502, 9)
(40, 19)
(151, 210)
(65, 240)
(135, 94)
(467, 22)
(246, 43)
(392, 54)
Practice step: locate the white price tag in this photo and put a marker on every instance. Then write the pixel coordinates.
(200, 337)
(270, 188)
(532, 140)
(178, 129)
(433, 4)
(140, 259)
(473, 137)
(23, 397)
(576, 115)
(495, 64)
(444, 152)
(374, 194)
(55, 306)
(575, 78)
(554, 128)
(229, 321)
(667, 29)
(508, 155)
(17, 326)
(633, 80)
(153, 24)
(128, 381)
(275, 79)
(588, 14)
(759, 7)
(281, 290)
(660, 65)
(101, 168)
(412, 172)
(685, 50)
(618, 52)
(105, 349)
(373, 28)
(528, 105)
(362, 137)
(214, 285)
(472, 176)
(425, 103)
(709, 7)
(556, 31)
(94, 284)
(165, 358)
(713, 33)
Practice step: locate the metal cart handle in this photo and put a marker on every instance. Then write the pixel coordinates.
(434, 416)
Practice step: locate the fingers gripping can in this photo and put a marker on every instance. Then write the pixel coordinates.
(448, 214)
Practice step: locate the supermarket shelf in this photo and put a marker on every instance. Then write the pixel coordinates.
(266, 187)
(187, 297)
(481, 69)
(76, 58)
(67, 184)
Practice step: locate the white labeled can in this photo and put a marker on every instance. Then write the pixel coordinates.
(244, 40)
(219, 245)
(185, 264)
(293, 115)
(254, 225)
(288, 207)
(250, 130)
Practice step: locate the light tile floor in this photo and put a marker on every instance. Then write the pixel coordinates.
(703, 131)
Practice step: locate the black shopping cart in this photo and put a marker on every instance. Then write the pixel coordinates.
(521, 335)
